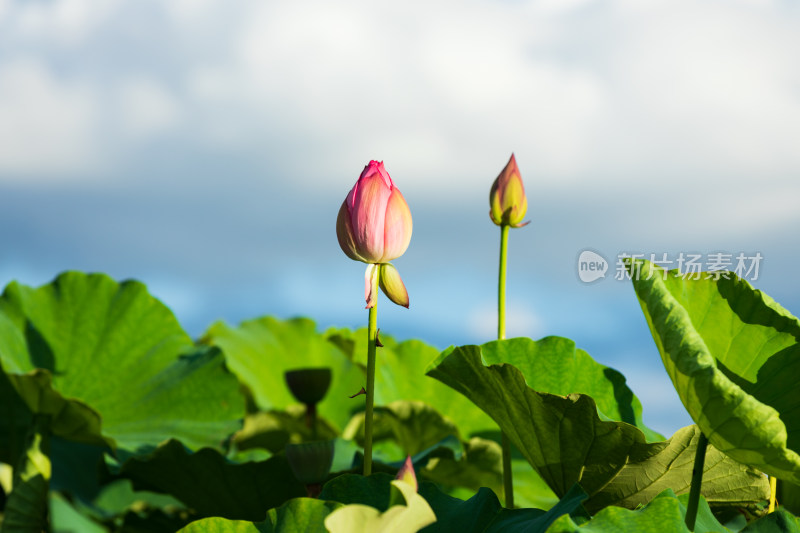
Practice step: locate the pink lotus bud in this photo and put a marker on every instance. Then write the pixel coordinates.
(374, 222)
(507, 197)
(406, 473)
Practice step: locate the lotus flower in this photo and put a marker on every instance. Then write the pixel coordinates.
(507, 197)
(374, 223)
(374, 226)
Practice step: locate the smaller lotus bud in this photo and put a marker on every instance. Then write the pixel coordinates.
(392, 284)
(507, 197)
(406, 473)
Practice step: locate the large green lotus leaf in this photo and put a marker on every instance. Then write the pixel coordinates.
(260, 351)
(211, 485)
(400, 375)
(85, 348)
(556, 365)
(564, 439)
(733, 356)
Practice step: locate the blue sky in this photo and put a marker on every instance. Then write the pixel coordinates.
(204, 147)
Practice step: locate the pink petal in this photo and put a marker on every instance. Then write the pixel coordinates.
(344, 232)
(368, 216)
(397, 227)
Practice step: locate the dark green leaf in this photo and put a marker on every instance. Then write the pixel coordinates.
(213, 486)
(26, 508)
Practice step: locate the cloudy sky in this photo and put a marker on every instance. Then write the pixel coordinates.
(204, 147)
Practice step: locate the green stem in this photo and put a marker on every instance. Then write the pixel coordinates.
(697, 480)
(311, 420)
(372, 336)
(501, 284)
(508, 482)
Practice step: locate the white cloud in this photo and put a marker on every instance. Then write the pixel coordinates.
(704, 91)
(146, 107)
(581, 90)
(619, 91)
(47, 123)
(69, 23)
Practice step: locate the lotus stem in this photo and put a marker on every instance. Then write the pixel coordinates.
(501, 284)
(372, 337)
(508, 482)
(311, 420)
(697, 480)
(773, 491)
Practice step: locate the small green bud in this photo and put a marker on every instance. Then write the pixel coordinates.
(507, 197)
